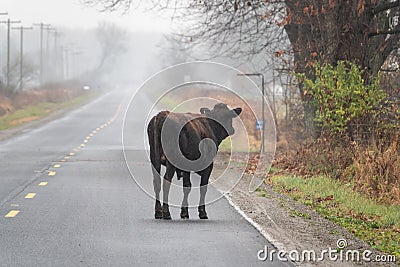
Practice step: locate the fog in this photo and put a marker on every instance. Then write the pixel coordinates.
(69, 46)
(102, 49)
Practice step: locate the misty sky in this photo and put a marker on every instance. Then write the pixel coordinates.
(71, 13)
(77, 24)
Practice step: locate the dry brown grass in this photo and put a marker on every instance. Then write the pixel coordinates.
(376, 172)
(23, 120)
(21, 100)
(5, 105)
(373, 168)
(34, 97)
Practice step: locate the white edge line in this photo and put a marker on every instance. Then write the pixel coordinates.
(267, 236)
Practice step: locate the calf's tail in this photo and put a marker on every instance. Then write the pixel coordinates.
(155, 144)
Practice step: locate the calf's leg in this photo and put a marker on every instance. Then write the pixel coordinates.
(187, 187)
(157, 188)
(205, 175)
(169, 173)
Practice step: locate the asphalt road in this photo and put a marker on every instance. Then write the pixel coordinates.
(67, 199)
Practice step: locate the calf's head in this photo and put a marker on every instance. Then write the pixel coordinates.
(222, 115)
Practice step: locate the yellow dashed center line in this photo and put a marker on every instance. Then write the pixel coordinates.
(116, 114)
(30, 195)
(12, 214)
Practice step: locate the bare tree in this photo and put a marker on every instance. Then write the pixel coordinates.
(175, 50)
(29, 74)
(109, 5)
(113, 42)
(308, 31)
(318, 30)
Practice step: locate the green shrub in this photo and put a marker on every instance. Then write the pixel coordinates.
(342, 97)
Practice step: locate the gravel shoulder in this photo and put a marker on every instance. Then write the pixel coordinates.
(290, 225)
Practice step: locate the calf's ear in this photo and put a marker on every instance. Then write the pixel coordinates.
(237, 111)
(204, 110)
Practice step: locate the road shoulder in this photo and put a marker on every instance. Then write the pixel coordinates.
(290, 225)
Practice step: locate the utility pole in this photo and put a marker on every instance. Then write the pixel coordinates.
(56, 56)
(75, 66)
(42, 27)
(21, 57)
(3, 14)
(262, 106)
(66, 62)
(61, 62)
(9, 22)
(47, 53)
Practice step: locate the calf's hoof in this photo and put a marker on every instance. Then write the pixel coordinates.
(202, 213)
(184, 213)
(166, 215)
(165, 212)
(158, 215)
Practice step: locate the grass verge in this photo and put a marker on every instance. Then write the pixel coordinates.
(377, 224)
(38, 111)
